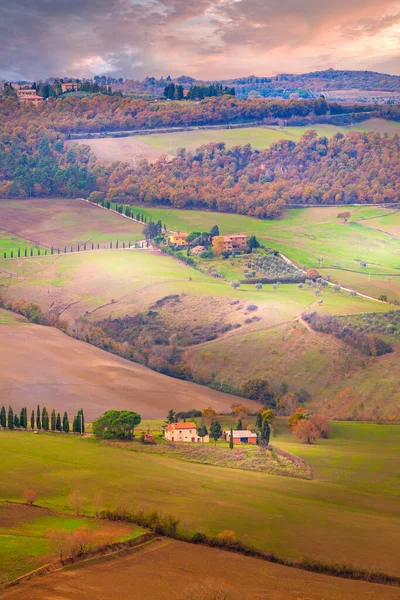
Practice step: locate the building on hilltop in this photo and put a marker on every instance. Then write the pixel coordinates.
(241, 437)
(28, 95)
(183, 432)
(70, 86)
(178, 238)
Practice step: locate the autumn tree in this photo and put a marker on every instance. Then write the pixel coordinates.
(209, 414)
(304, 431)
(30, 496)
(344, 215)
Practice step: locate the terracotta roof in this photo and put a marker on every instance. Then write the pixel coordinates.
(180, 234)
(188, 425)
(234, 235)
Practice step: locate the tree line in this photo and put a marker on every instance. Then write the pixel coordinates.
(355, 168)
(41, 420)
(174, 91)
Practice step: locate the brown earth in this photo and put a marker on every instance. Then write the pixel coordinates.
(171, 570)
(125, 149)
(42, 365)
(59, 221)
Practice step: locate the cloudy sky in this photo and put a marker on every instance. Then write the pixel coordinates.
(202, 38)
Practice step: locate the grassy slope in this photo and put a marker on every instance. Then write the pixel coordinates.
(10, 242)
(127, 281)
(305, 234)
(291, 517)
(25, 543)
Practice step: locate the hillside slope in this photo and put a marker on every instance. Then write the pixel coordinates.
(42, 365)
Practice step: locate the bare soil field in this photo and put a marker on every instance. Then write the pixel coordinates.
(126, 149)
(58, 222)
(166, 569)
(42, 365)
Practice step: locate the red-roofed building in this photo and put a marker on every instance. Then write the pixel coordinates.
(183, 432)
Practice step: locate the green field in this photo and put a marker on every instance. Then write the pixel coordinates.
(353, 498)
(306, 234)
(25, 536)
(10, 242)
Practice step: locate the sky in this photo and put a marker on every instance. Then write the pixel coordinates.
(206, 39)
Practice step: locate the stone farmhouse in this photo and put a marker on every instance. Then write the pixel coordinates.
(236, 242)
(183, 432)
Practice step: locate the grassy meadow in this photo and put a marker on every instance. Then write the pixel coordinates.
(25, 536)
(306, 234)
(353, 497)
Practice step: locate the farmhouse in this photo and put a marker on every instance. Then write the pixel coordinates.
(28, 95)
(178, 239)
(234, 243)
(241, 437)
(183, 432)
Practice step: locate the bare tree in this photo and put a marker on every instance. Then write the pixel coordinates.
(98, 502)
(61, 542)
(75, 501)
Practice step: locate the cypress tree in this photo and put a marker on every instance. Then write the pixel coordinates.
(19, 252)
(65, 423)
(239, 425)
(12, 254)
(111, 244)
(53, 420)
(10, 419)
(84, 246)
(25, 418)
(44, 411)
(38, 421)
(4, 254)
(3, 419)
(45, 252)
(116, 245)
(38, 252)
(33, 419)
(78, 422)
(92, 246)
(265, 434)
(26, 252)
(51, 250)
(46, 421)
(65, 249)
(74, 425)
(259, 420)
(16, 420)
(31, 251)
(82, 420)
(22, 417)
(58, 250)
(58, 422)
(231, 440)
(78, 247)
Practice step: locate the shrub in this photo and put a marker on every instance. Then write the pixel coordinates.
(30, 496)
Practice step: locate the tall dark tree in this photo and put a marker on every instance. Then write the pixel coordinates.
(45, 420)
(53, 420)
(215, 431)
(58, 426)
(265, 434)
(16, 421)
(214, 231)
(231, 440)
(22, 417)
(10, 418)
(33, 419)
(3, 418)
(239, 426)
(65, 423)
(38, 420)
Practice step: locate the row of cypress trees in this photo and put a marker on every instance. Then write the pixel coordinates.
(41, 420)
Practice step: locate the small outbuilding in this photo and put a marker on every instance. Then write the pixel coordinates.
(241, 436)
